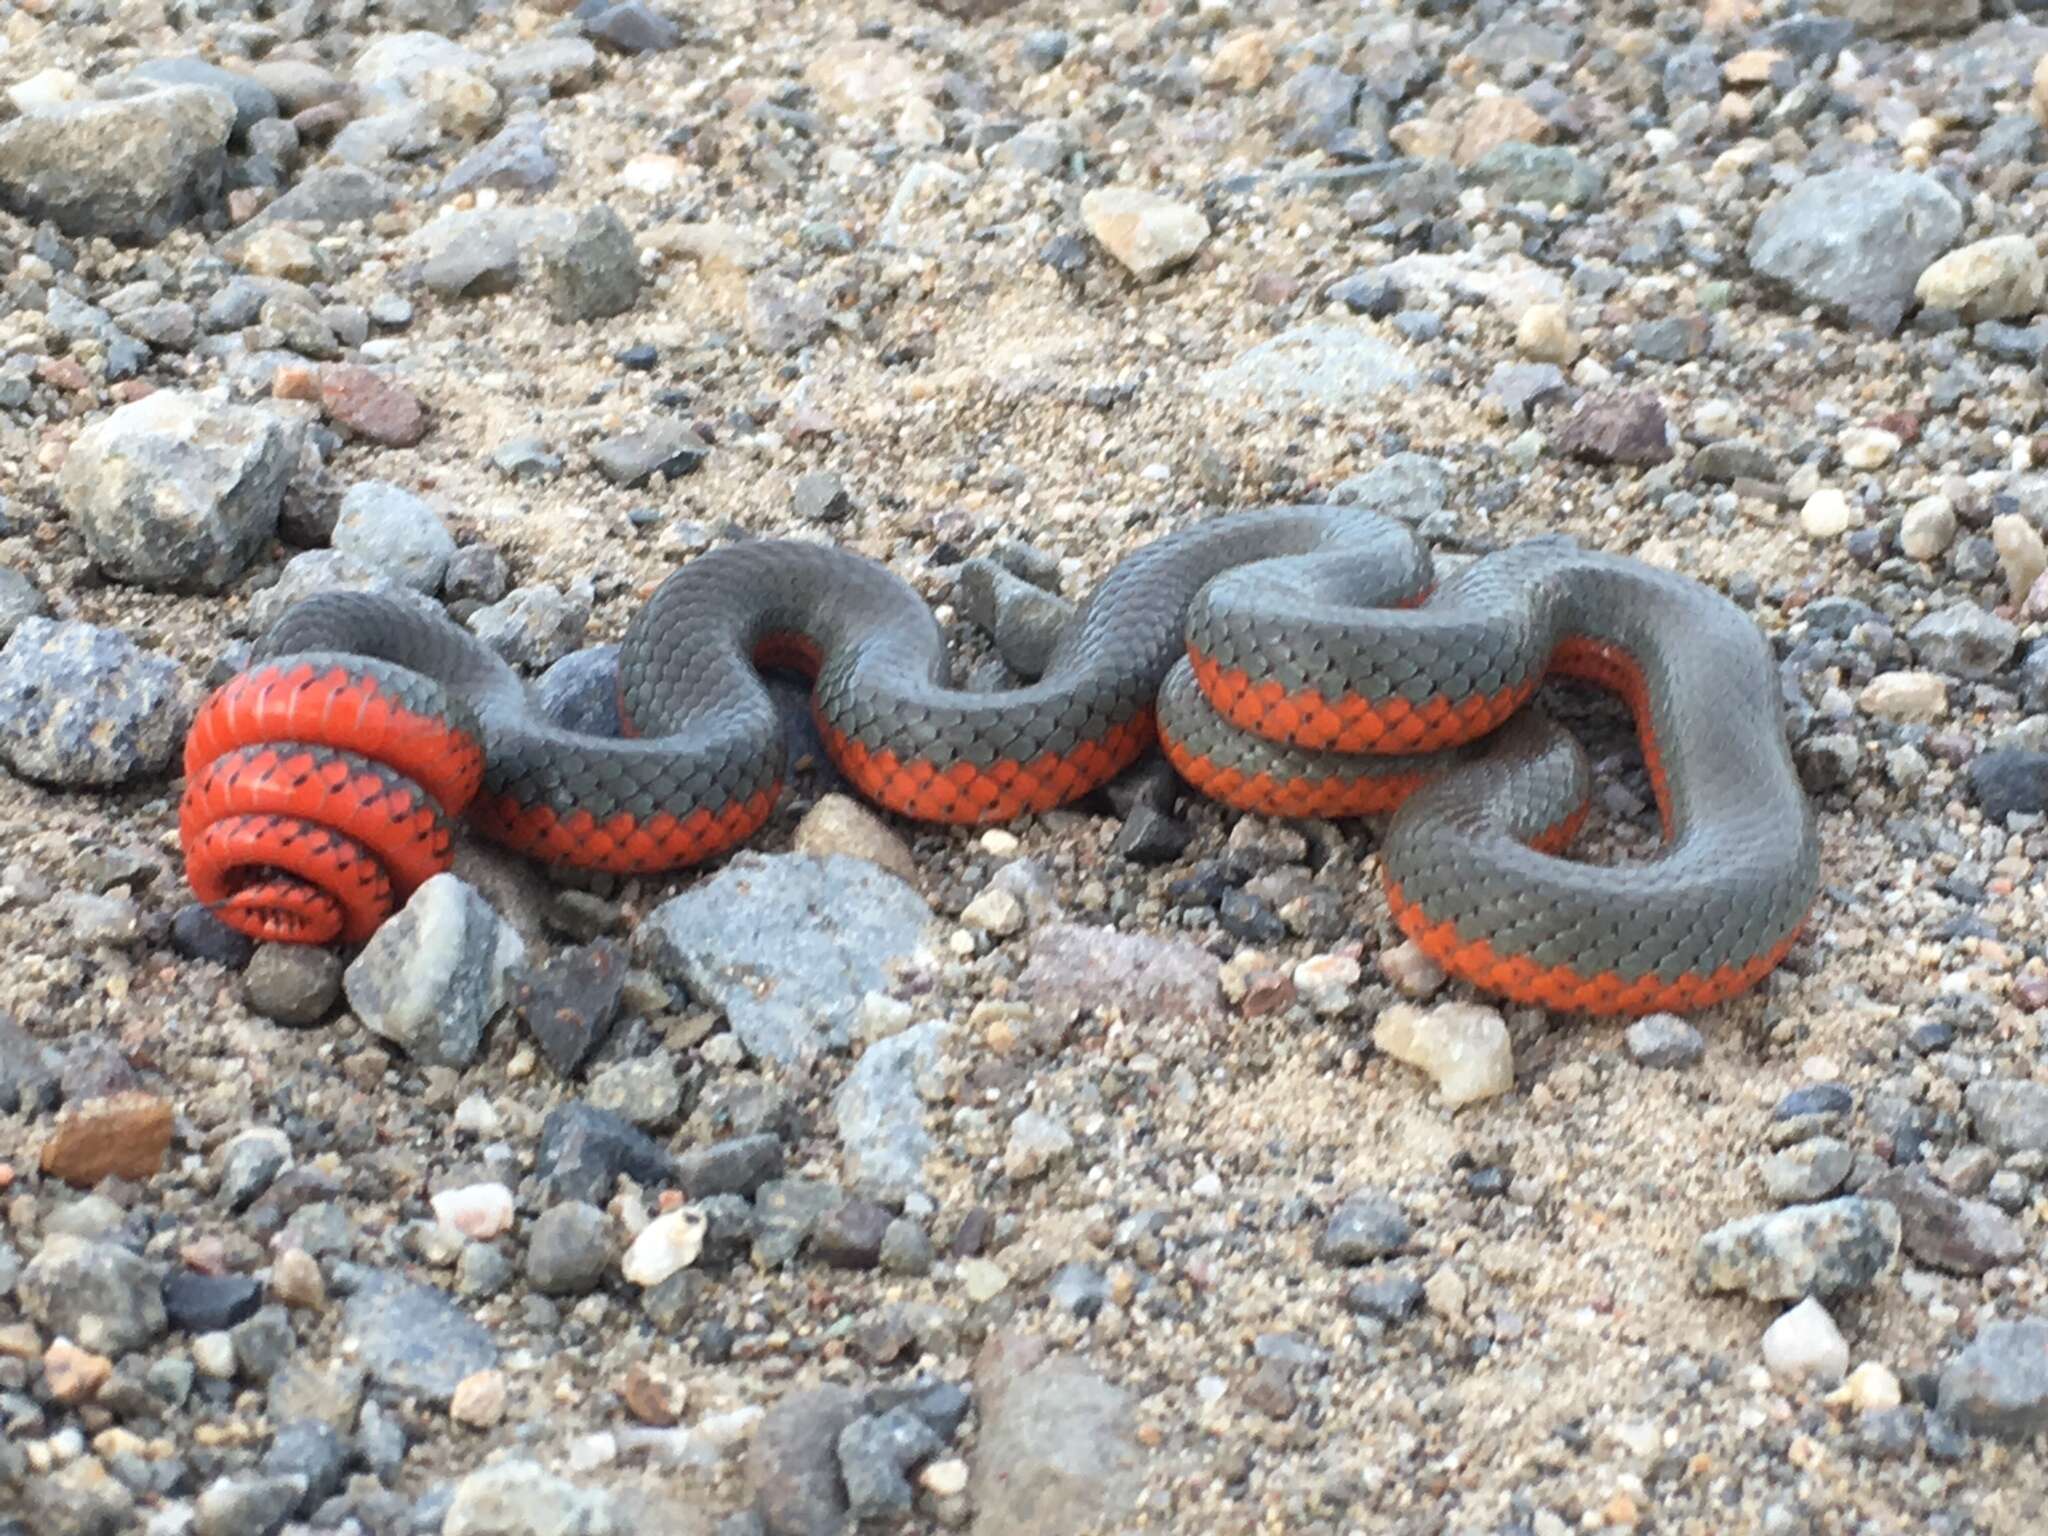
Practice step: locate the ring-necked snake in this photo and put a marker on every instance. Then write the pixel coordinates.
(1293, 661)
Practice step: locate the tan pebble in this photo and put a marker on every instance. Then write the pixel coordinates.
(295, 1280)
(1871, 1388)
(2039, 97)
(841, 824)
(123, 1135)
(2021, 553)
(1493, 121)
(1752, 66)
(278, 252)
(996, 912)
(1996, 279)
(20, 1341)
(1244, 60)
(1869, 448)
(1149, 234)
(1908, 696)
(479, 1399)
(1545, 335)
(74, 1375)
(1424, 138)
(1411, 970)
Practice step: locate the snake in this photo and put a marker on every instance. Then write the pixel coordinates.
(1292, 661)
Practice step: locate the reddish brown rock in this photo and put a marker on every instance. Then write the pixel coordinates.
(1617, 429)
(372, 406)
(124, 1135)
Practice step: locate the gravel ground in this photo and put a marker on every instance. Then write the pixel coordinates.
(1114, 1171)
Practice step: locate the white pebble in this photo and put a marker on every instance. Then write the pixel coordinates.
(669, 1243)
(1805, 1347)
(1828, 514)
(1463, 1046)
(1869, 447)
(481, 1211)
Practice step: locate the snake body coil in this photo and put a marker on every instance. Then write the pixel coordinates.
(1285, 660)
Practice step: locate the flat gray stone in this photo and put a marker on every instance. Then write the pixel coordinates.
(1326, 363)
(879, 1111)
(786, 945)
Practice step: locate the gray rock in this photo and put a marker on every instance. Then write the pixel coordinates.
(447, 17)
(84, 707)
(130, 170)
(1804, 1250)
(329, 196)
(388, 527)
(414, 1338)
(561, 65)
(535, 627)
(1905, 18)
(1326, 363)
(179, 493)
(595, 273)
(1024, 619)
(249, 1163)
(581, 691)
(1369, 1225)
(1548, 174)
(328, 570)
(1149, 980)
(526, 457)
(253, 100)
(633, 27)
(787, 945)
(569, 1249)
(28, 1074)
(879, 1110)
(1809, 1170)
(520, 1498)
(665, 447)
(314, 1454)
(246, 1506)
(738, 1166)
(645, 1089)
(583, 1150)
(1664, 1041)
(19, 600)
(2009, 782)
(292, 984)
(2009, 1114)
(1055, 1452)
(1855, 241)
(1965, 1237)
(1999, 1385)
(820, 497)
(514, 159)
(875, 1455)
(1964, 641)
(1409, 486)
(781, 317)
(97, 1294)
(793, 1463)
(434, 976)
(391, 68)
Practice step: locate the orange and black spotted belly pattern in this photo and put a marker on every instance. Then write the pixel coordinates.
(1296, 662)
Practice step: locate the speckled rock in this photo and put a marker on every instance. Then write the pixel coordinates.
(177, 492)
(1856, 241)
(83, 707)
(97, 1294)
(1804, 1250)
(388, 527)
(132, 169)
(436, 974)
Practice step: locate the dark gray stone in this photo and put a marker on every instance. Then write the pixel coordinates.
(793, 1463)
(1999, 1385)
(413, 1338)
(1369, 1225)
